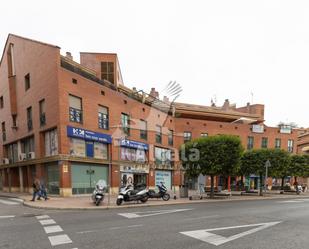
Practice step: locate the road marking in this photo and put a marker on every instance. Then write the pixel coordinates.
(214, 239)
(132, 226)
(47, 222)
(294, 201)
(82, 232)
(151, 213)
(9, 202)
(40, 217)
(7, 216)
(53, 229)
(59, 240)
(203, 217)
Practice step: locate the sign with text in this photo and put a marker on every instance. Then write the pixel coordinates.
(133, 144)
(88, 135)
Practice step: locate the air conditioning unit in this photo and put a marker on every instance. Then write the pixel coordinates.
(22, 156)
(5, 161)
(31, 155)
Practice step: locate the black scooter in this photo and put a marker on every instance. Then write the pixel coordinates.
(161, 194)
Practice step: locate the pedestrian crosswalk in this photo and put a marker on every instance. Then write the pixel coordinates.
(10, 201)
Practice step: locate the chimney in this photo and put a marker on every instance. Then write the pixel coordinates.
(166, 100)
(69, 55)
(226, 104)
(154, 93)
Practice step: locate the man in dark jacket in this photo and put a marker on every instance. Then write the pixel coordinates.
(36, 188)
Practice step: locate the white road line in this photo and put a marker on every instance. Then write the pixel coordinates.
(7, 216)
(9, 202)
(59, 240)
(47, 222)
(151, 213)
(53, 229)
(132, 226)
(40, 217)
(203, 217)
(82, 232)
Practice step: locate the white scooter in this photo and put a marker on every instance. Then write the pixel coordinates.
(128, 193)
(98, 193)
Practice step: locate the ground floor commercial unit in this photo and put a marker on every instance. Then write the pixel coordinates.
(66, 177)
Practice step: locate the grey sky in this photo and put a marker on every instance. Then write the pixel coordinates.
(221, 48)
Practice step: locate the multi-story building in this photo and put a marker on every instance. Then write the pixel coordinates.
(70, 123)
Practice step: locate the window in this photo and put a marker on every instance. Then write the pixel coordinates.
(27, 81)
(103, 117)
(290, 145)
(42, 112)
(143, 129)
(158, 134)
(3, 131)
(74, 81)
(107, 71)
(29, 118)
(77, 147)
(264, 142)
(1, 102)
(76, 111)
(250, 143)
(278, 143)
(135, 155)
(14, 120)
(163, 156)
(170, 137)
(204, 134)
(125, 123)
(51, 142)
(27, 145)
(12, 152)
(187, 136)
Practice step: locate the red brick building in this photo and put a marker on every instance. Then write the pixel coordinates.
(70, 123)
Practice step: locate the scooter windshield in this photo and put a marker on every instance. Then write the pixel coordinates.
(101, 184)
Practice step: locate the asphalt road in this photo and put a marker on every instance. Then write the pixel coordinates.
(258, 224)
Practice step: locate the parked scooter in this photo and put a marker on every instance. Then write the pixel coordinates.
(299, 189)
(98, 193)
(161, 194)
(128, 193)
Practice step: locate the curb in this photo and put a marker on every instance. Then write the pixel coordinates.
(158, 204)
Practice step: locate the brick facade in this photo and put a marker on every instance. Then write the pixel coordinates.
(54, 78)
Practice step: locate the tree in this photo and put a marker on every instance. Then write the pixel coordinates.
(280, 164)
(216, 155)
(253, 162)
(299, 166)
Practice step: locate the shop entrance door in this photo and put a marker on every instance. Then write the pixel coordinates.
(85, 176)
(140, 179)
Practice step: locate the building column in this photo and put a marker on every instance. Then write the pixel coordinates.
(9, 180)
(65, 186)
(21, 179)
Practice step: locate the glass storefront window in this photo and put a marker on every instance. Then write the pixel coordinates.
(77, 147)
(135, 155)
(163, 156)
(51, 143)
(100, 151)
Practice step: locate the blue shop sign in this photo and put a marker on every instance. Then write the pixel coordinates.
(133, 144)
(88, 135)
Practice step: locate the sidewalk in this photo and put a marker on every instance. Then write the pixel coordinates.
(85, 203)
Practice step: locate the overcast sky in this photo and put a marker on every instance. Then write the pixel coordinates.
(215, 49)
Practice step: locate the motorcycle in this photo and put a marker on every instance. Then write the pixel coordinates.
(98, 192)
(299, 189)
(161, 194)
(128, 193)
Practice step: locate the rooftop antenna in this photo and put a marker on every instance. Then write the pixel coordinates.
(251, 97)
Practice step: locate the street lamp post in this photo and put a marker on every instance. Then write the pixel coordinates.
(267, 165)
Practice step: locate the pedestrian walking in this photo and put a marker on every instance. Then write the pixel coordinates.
(36, 189)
